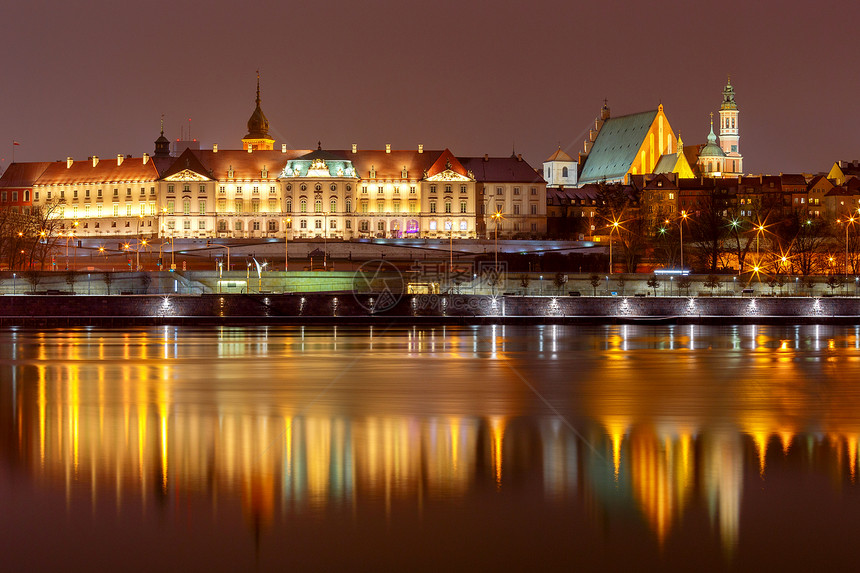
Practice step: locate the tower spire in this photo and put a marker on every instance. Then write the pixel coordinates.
(258, 87)
(257, 137)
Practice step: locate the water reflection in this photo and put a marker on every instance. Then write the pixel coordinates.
(661, 423)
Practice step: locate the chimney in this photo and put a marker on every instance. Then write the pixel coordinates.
(283, 148)
(95, 160)
(215, 148)
(145, 158)
(486, 157)
(387, 148)
(519, 156)
(119, 159)
(354, 147)
(420, 148)
(69, 162)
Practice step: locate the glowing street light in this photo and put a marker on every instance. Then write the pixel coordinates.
(849, 220)
(287, 222)
(681, 226)
(497, 216)
(613, 226)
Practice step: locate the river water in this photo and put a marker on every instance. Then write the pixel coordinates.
(420, 448)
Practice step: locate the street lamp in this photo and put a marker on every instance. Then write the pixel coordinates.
(613, 227)
(497, 216)
(681, 226)
(848, 221)
(287, 223)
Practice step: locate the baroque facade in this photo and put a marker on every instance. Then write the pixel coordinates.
(259, 191)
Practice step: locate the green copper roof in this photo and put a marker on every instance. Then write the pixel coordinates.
(615, 148)
(667, 163)
(729, 96)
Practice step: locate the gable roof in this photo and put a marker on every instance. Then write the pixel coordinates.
(23, 174)
(445, 162)
(187, 160)
(501, 169)
(616, 146)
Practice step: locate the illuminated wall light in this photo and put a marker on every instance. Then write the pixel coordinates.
(691, 305)
(624, 308)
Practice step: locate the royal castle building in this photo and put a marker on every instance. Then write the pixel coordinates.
(260, 191)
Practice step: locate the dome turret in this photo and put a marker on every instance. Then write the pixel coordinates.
(258, 127)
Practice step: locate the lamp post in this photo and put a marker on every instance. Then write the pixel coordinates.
(14, 284)
(612, 228)
(496, 217)
(758, 230)
(287, 222)
(681, 226)
(848, 221)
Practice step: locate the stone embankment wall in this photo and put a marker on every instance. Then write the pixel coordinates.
(385, 306)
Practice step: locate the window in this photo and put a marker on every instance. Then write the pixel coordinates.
(365, 207)
(288, 206)
(201, 207)
(116, 192)
(186, 188)
(222, 189)
(222, 205)
(186, 206)
(99, 193)
(186, 224)
(447, 188)
(413, 207)
(364, 188)
(303, 206)
(380, 206)
(273, 226)
(303, 224)
(201, 224)
(462, 188)
(222, 225)
(462, 206)
(412, 189)
(318, 206)
(257, 190)
(534, 209)
(464, 226)
(170, 225)
(332, 206)
(142, 209)
(332, 224)
(272, 190)
(201, 188)
(564, 171)
(255, 206)
(447, 206)
(128, 191)
(255, 225)
(533, 191)
(170, 207)
(75, 193)
(499, 191)
(516, 190)
(348, 205)
(238, 206)
(516, 209)
(349, 223)
(380, 226)
(396, 206)
(433, 207)
(671, 195)
(363, 225)
(170, 189)
(116, 209)
(237, 225)
(380, 190)
(432, 225)
(273, 206)
(238, 189)
(432, 188)
(128, 210)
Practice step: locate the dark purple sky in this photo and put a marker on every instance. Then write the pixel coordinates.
(478, 77)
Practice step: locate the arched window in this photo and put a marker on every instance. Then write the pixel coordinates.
(564, 171)
(349, 205)
(710, 166)
(333, 205)
(303, 206)
(222, 225)
(318, 206)
(289, 206)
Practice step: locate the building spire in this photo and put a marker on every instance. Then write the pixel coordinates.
(162, 124)
(258, 87)
(712, 138)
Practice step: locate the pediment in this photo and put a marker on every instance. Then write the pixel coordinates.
(187, 175)
(448, 175)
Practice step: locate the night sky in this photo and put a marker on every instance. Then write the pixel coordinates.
(93, 78)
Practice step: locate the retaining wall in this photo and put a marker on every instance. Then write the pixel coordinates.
(386, 306)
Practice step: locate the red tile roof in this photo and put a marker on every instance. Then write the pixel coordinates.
(389, 165)
(23, 174)
(501, 169)
(447, 161)
(82, 172)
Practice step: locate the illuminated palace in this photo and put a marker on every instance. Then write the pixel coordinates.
(260, 191)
